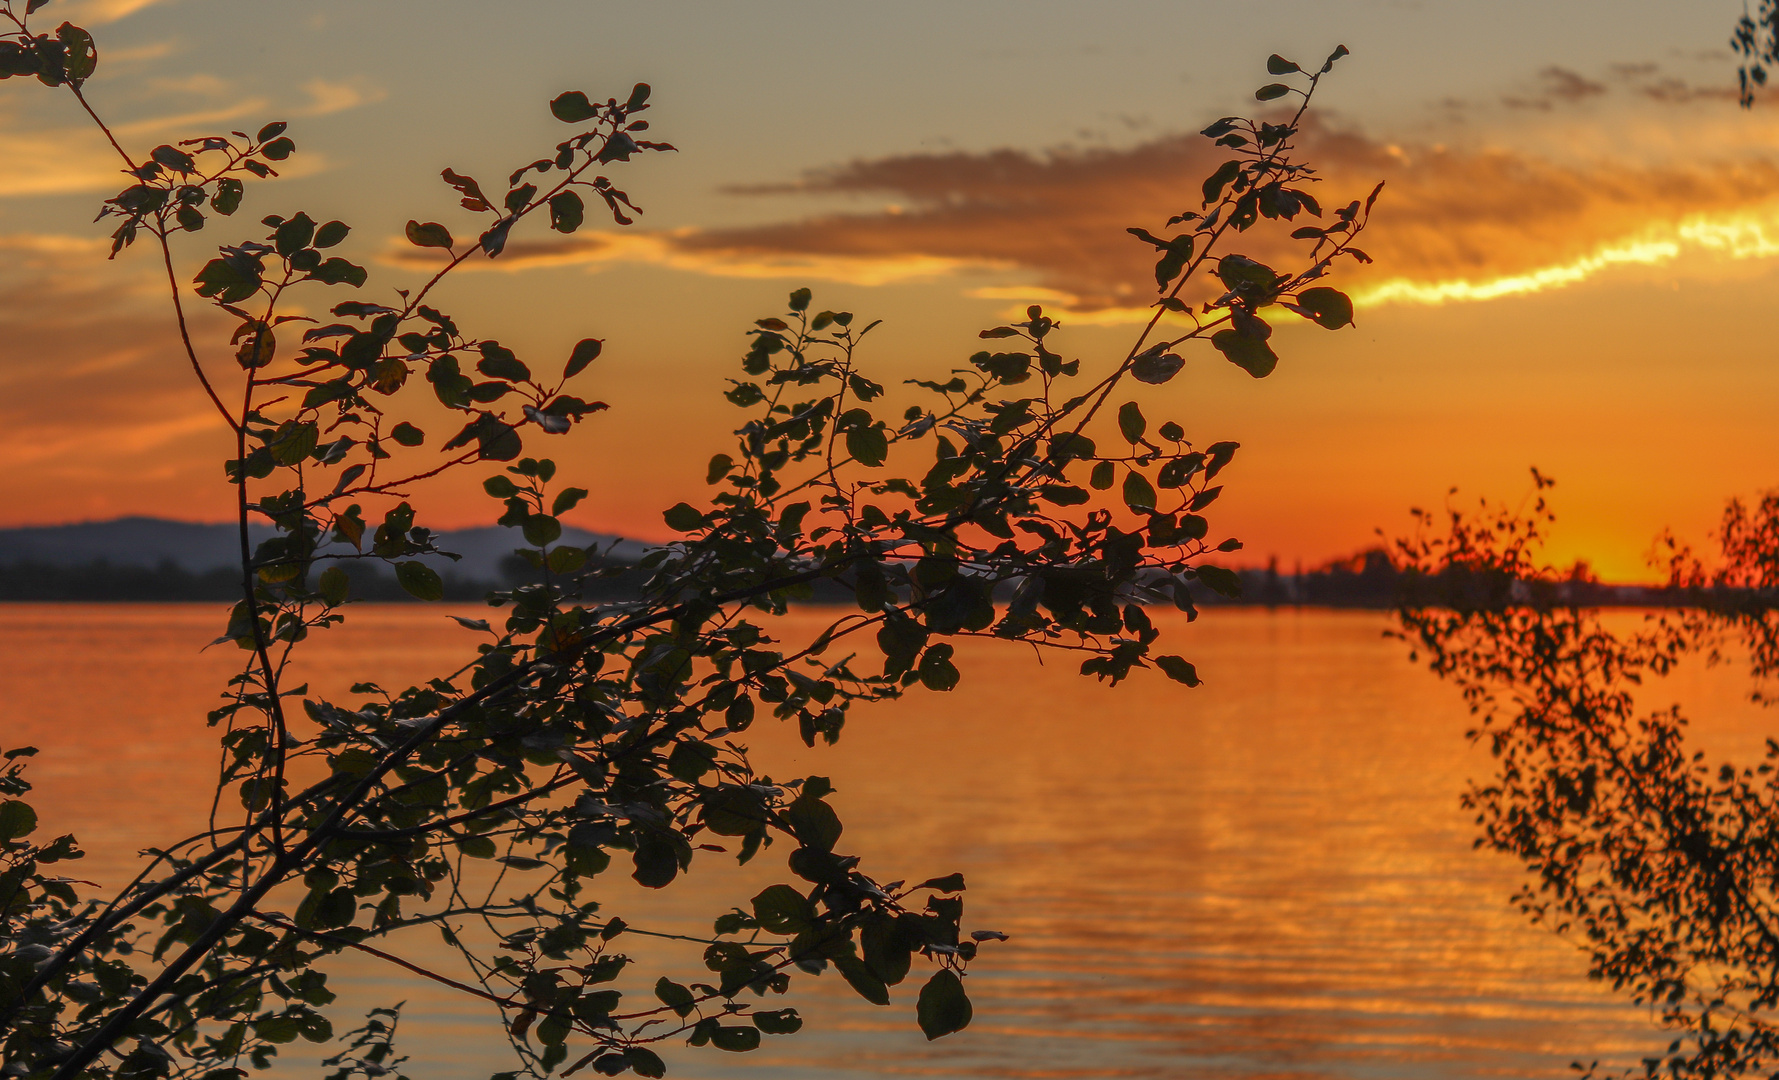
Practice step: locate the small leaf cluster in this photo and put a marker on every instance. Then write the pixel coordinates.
(1260, 182)
(1756, 40)
(42, 914)
(67, 57)
(175, 186)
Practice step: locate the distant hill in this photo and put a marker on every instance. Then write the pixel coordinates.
(126, 542)
(144, 558)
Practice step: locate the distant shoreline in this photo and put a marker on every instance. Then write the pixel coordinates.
(158, 560)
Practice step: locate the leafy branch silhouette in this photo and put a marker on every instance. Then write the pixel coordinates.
(484, 804)
(1658, 863)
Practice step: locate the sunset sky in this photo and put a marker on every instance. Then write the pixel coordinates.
(1576, 250)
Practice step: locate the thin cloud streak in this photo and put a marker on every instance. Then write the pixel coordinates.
(76, 160)
(602, 249)
(327, 97)
(98, 12)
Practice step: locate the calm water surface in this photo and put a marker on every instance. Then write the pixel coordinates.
(1268, 876)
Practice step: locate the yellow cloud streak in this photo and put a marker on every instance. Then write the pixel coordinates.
(598, 250)
(66, 161)
(1734, 237)
(104, 11)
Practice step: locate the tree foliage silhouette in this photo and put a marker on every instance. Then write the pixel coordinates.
(585, 739)
(1756, 41)
(1661, 865)
(1658, 863)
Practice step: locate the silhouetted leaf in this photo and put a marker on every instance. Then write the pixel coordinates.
(944, 1007)
(780, 1022)
(585, 352)
(736, 1040)
(783, 910)
(1156, 368)
(498, 362)
(657, 863)
(1217, 181)
(862, 979)
(79, 57)
(227, 280)
(17, 819)
(541, 529)
(1254, 357)
(494, 241)
(338, 271)
(566, 211)
(421, 581)
(1329, 308)
(334, 586)
(176, 160)
(572, 107)
(814, 822)
(682, 517)
(473, 199)
(936, 669)
(1138, 493)
(1178, 669)
(228, 196)
(1225, 582)
(674, 996)
(868, 445)
(429, 234)
(1130, 422)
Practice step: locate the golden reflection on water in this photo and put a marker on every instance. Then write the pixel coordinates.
(1268, 876)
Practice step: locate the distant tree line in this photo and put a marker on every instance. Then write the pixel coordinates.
(34, 581)
(1371, 579)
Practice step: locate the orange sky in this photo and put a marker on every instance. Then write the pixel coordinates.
(1576, 250)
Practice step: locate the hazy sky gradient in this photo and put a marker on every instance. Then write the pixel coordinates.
(1576, 247)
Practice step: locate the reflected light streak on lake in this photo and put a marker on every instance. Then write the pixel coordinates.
(1269, 876)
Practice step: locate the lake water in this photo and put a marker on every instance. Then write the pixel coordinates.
(1268, 876)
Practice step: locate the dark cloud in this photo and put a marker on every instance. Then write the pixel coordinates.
(1053, 223)
(1059, 218)
(1558, 86)
(1647, 80)
(1671, 91)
